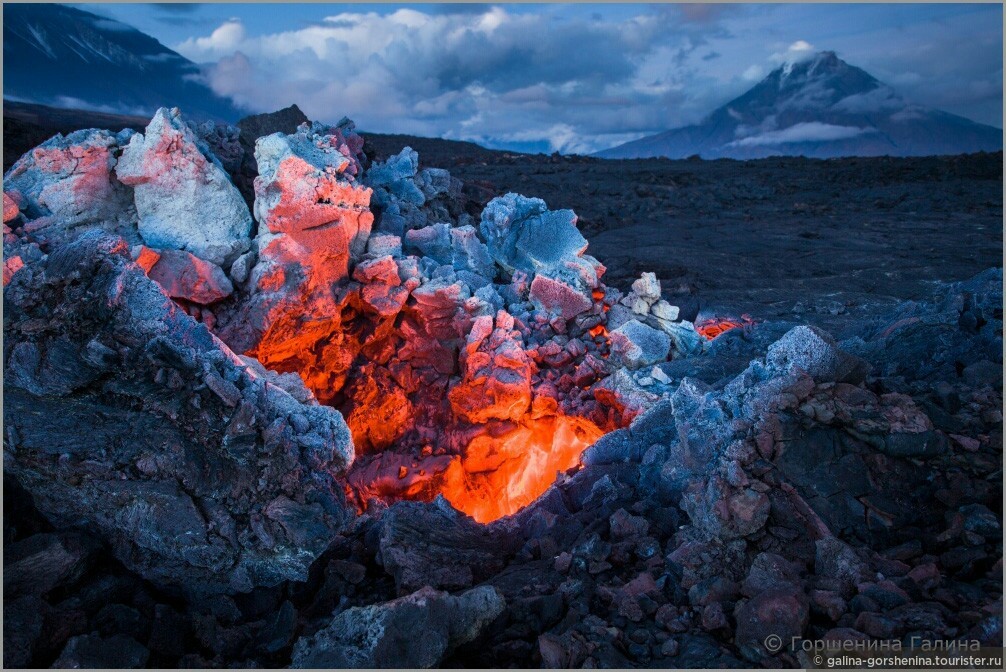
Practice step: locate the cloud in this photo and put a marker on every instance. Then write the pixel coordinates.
(800, 50)
(574, 76)
(880, 98)
(112, 24)
(810, 131)
(575, 80)
(753, 74)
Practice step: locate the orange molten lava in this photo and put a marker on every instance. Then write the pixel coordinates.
(498, 475)
(715, 326)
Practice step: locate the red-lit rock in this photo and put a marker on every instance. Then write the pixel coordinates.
(11, 265)
(185, 276)
(497, 373)
(378, 411)
(10, 208)
(68, 184)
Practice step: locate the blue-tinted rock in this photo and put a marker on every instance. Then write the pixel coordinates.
(635, 344)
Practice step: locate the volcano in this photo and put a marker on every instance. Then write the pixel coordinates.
(821, 107)
(66, 57)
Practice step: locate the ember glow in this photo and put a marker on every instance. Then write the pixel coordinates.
(499, 475)
(713, 327)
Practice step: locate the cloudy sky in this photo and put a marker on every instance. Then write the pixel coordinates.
(566, 77)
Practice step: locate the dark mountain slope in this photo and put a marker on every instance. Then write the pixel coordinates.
(65, 57)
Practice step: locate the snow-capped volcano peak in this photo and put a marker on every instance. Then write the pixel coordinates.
(819, 106)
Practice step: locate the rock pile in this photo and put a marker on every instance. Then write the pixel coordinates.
(184, 492)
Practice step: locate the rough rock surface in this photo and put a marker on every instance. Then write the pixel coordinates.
(184, 276)
(418, 630)
(184, 199)
(69, 182)
(157, 437)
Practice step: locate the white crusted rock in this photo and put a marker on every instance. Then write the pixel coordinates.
(183, 197)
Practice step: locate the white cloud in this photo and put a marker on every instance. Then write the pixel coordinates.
(222, 41)
(880, 98)
(800, 50)
(428, 73)
(810, 131)
(753, 74)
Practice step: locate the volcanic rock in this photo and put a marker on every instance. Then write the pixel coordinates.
(184, 199)
(10, 208)
(497, 372)
(94, 651)
(418, 630)
(23, 620)
(394, 180)
(68, 184)
(815, 352)
(42, 562)
(522, 233)
(438, 546)
(636, 345)
(185, 276)
(118, 372)
(782, 613)
(314, 223)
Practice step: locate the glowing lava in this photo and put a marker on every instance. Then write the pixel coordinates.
(713, 327)
(499, 475)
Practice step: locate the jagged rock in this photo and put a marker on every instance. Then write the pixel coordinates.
(647, 287)
(260, 125)
(314, 224)
(620, 390)
(185, 276)
(635, 345)
(10, 208)
(685, 340)
(557, 297)
(416, 631)
(184, 199)
(42, 562)
(783, 613)
(815, 352)
(223, 142)
(497, 372)
(394, 180)
(381, 244)
(138, 398)
(435, 545)
(726, 511)
(24, 618)
(68, 184)
(471, 254)
(522, 233)
(432, 241)
(664, 310)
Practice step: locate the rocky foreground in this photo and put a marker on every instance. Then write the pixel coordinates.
(269, 403)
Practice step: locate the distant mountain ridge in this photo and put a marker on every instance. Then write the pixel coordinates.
(65, 57)
(821, 107)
